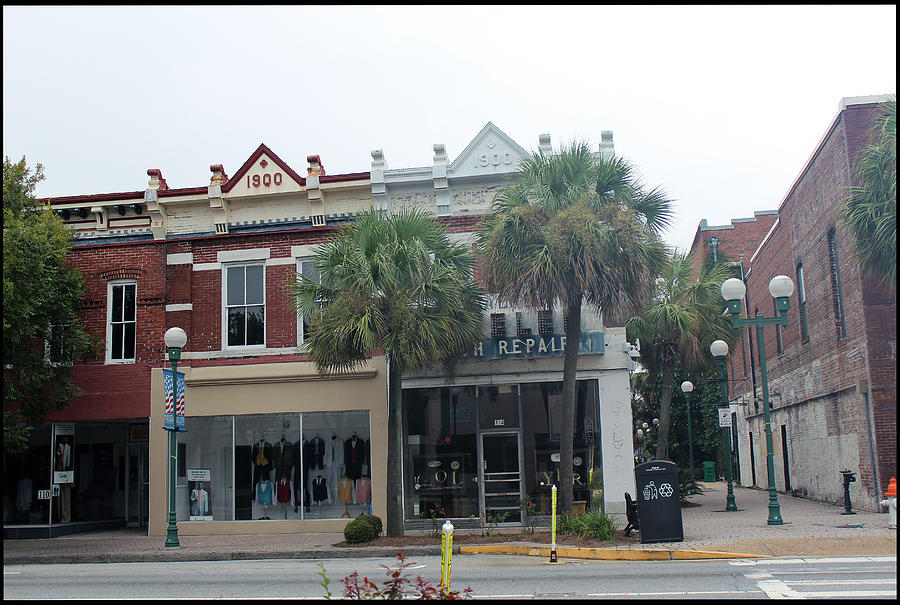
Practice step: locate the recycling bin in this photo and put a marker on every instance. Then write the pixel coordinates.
(709, 471)
(659, 505)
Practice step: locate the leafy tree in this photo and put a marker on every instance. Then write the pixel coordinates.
(42, 335)
(576, 228)
(682, 319)
(871, 208)
(396, 284)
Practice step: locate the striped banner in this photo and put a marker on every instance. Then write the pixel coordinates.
(174, 417)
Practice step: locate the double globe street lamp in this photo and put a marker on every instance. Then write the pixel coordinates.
(642, 434)
(780, 287)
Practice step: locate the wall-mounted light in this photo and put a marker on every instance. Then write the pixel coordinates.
(138, 208)
(120, 209)
(82, 212)
(64, 214)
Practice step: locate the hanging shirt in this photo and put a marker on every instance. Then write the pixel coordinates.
(264, 492)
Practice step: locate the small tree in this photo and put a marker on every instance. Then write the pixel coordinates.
(399, 285)
(42, 334)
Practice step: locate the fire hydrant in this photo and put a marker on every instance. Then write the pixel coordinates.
(890, 501)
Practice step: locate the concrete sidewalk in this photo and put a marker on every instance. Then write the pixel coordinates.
(811, 529)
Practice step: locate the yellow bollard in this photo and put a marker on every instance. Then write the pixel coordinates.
(553, 558)
(446, 554)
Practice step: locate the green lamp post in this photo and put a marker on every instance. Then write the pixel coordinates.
(780, 287)
(719, 350)
(687, 386)
(175, 339)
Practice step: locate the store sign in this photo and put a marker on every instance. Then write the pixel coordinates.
(724, 417)
(544, 345)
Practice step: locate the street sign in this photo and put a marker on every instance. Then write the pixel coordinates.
(724, 417)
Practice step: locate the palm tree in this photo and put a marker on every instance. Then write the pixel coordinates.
(871, 208)
(578, 229)
(683, 317)
(396, 284)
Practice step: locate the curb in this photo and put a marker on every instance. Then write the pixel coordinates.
(606, 554)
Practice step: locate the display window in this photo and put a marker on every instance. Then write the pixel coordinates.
(488, 451)
(440, 461)
(285, 466)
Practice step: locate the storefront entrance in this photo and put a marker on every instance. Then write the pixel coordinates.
(138, 484)
(501, 477)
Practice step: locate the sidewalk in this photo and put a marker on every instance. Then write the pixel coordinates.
(810, 529)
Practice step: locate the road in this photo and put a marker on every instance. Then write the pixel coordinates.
(489, 576)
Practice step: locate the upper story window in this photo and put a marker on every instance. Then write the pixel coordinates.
(306, 267)
(245, 307)
(837, 298)
(57, 349)
(801, 295)
(121, 329)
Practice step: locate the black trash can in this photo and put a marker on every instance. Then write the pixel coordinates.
(658, 502)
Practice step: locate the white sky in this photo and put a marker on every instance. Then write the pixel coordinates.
(721, 106)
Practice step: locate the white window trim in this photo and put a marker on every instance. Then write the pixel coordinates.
(301, 337)
(109, 301)
(224, 307)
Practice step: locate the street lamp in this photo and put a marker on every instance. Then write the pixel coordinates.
(175, 340)
(687, 386)
(780, 287)
(719, 350)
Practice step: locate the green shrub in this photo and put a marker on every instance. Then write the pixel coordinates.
(374, 521)
(596, 526)
(360, 530)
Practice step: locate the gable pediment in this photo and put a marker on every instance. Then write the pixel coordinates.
(490, 152)
(264, 173)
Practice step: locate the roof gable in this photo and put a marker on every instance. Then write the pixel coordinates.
(490, 152)
(264, 172)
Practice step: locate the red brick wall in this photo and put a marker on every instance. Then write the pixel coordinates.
(817, 379)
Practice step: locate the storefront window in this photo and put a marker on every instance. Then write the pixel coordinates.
(453, 467)
(24, 476)
(440, 460)
(204, 490)
(302, 466)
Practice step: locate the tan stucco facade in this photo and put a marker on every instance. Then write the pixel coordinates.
(268, 388)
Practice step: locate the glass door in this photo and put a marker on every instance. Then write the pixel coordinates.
(138, 484)
(501, 483)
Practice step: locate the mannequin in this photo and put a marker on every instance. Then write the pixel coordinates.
(316, 453)
(199, 501)
(354, 456)
(363, 491)
(283, 458)
(334, 459)
(261, 457)
(345, 493)
(264, 491)
(283, 493)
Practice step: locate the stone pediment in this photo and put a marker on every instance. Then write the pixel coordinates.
(491, 152)
(264, 173)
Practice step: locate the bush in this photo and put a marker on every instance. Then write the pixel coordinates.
(687, 488)
(360, 530)
(596, 526)
(374, 521)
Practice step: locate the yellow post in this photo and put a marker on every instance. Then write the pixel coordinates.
(446, 554)
(553, 525)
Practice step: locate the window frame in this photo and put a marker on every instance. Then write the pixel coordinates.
(110, 292)
(801, 306)
(49, 345)
(301, 335)
(225, 306)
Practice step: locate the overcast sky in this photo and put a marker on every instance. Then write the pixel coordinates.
(721, 106)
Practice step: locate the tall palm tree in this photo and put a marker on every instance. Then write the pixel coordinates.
(397, 284)
(871, 208)
(682, 318)
(578, 229)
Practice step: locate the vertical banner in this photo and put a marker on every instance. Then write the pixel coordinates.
(174, 419)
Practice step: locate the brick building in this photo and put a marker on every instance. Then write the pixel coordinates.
(832, 370)
(271, 446)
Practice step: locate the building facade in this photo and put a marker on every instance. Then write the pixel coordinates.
(832, 369)
(271, 446)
